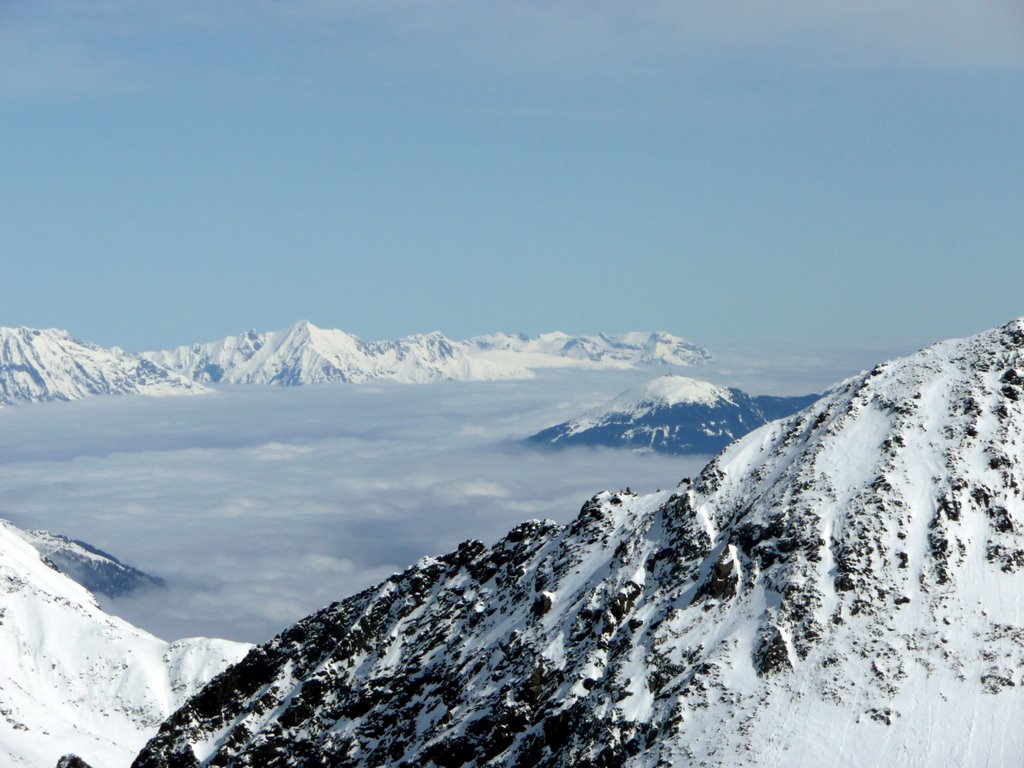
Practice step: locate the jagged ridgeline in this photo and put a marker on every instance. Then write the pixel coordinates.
(842, 587)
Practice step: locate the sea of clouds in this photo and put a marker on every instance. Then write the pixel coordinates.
(259, 505)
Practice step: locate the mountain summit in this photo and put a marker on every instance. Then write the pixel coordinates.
(618, 350)
(672, 414)
(306, 354)
(844, 586)
(48, 364)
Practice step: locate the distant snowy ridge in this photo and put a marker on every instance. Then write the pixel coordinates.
(561, 350)
(94, 569)
(75, 679)
(841, 587)
(306, 354)
(672, 414)
(48, 364)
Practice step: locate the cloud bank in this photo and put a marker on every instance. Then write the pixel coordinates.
(259, 505)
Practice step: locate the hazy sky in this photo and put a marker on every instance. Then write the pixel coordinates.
(177, 171)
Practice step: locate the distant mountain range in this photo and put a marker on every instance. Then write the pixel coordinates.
(672, 414)
(560, 350)
(306, 354)
(39, 365)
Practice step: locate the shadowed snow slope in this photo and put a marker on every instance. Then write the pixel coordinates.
(50, 365)
(93, 568)
(672, 414)
(843, 587)
(74, 679)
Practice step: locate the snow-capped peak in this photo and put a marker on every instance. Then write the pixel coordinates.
(666, 391)
(672, 414)
(303, 353)
(48, 364)
(604, 350)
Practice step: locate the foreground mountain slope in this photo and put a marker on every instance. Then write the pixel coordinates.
(96, 570)
(48, 364)
(74, 679)
(674, 415)
(306, 354)
(843, 587)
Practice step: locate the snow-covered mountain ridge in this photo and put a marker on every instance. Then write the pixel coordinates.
(306, 354)
(672, 414)
(604, 350)
(75, 679)
(841, 587)
(48, 364)
(96, 570)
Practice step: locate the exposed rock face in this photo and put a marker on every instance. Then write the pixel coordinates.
(841, 587)
(674, 415)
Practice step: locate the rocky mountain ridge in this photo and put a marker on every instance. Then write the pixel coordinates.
(843, 586)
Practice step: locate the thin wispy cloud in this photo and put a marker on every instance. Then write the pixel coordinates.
(845, 34)
(77, 47)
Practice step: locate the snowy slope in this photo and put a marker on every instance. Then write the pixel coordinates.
(306, 354)
(74, 679)
(560, 350)
(672, 414)
(50, 365)
(844, 587)
(93, 568)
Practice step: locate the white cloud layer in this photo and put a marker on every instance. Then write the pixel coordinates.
(259, 505)
(61, 47)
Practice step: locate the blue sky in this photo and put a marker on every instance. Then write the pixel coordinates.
(174, 172)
